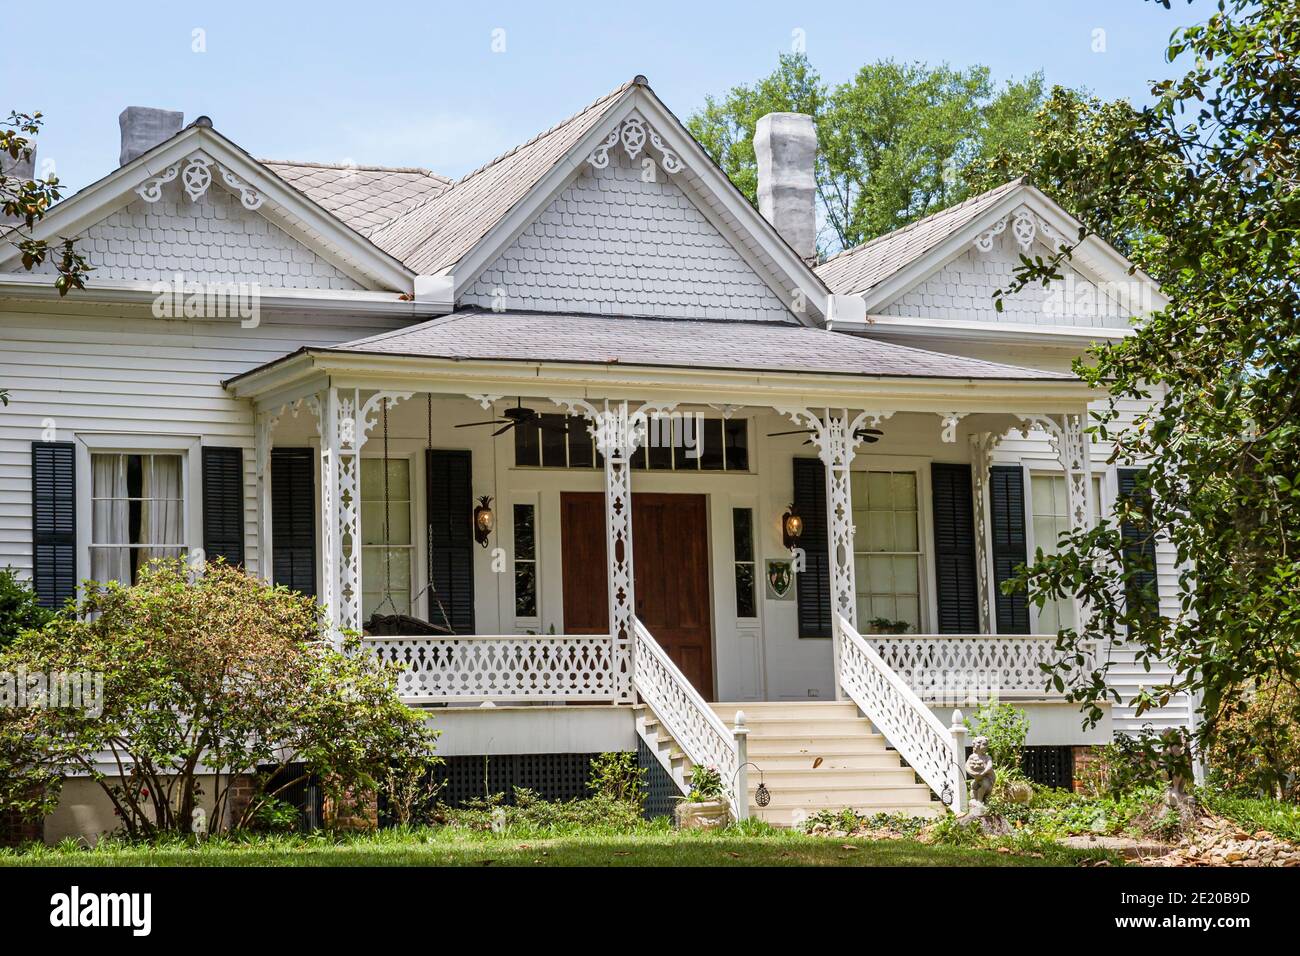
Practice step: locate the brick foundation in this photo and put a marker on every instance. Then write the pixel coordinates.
(1085, 758)
(17, 829)
(352, 811)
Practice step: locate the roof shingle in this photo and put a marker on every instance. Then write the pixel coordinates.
(363, 197)
(864, 267)
(683, 343)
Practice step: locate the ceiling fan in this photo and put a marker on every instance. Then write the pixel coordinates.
(517, 416)
(868, 435)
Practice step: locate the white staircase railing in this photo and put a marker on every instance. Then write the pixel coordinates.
(700, 733)
(898, 713)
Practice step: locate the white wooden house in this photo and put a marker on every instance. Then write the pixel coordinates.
(290, 365)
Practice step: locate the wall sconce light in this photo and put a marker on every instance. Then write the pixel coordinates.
(791, 528)
(484, 520)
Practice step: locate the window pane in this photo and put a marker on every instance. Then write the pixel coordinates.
(711, 452)
(905, 536)
(527, 446)
(687, 431)
(903, 487)
(742, 523)
(880, 531)
(661, 455)
(737, 437)
(552, 438)
(581, 446)
(745, 591)
(525, 589)
(879, 490)
(524, 533)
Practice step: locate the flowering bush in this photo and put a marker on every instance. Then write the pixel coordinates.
(706, 784)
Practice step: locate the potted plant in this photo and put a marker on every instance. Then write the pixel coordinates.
(883, 625)
(706, 805)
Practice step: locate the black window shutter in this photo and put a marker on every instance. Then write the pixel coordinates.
(813, 586)
(54, 522)
(1008, 548)
(449, 481)
(293, 519)
(1139, 543)
(223, 504)
(954, 549)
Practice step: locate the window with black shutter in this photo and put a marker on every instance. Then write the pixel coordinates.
(54, 522)
(293, 519)
(1139, 542)
(223, 504)
(813, 584)
(1007, 545)
(954, 549)
(449, 481)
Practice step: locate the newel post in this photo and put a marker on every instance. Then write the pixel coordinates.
(958, 730)
(741, 800)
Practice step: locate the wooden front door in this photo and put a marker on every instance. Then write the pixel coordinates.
(670, 557)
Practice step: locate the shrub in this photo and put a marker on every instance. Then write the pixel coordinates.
(1007, 728)
(1132, 762)
(531, 813)
(219, 674)
(1256, 747)
(19, 610)
(616, 776)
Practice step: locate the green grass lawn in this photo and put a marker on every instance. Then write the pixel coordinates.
(652, 846)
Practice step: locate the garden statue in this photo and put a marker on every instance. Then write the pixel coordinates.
(979, 767)
(199, 822)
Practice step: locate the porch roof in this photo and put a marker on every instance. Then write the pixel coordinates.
(728, 345)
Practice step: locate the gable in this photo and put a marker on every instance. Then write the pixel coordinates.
(210, 239)
(962, 289)
(613, 243)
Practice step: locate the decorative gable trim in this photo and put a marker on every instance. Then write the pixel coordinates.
(1026, 226)
(196, 177)
(191, 156)
(770, 256)
(633, 133)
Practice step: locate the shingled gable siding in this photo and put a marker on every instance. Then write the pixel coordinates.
(610, 243)
(212, 240)
(963, 290)
(130, 373)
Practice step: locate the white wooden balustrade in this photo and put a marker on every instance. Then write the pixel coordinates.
(505, 669)
(701, 734)
(956, 669)
(898, 713)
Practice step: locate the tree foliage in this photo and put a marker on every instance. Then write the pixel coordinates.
(894, 142)
(1201, 187)
(205, 680)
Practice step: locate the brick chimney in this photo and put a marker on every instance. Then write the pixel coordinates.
(786, 147)
(143, 128)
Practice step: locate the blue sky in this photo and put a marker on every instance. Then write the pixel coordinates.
(420, 84)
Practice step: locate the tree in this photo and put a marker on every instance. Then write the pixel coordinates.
(894, 142)
(1202, 186)
(204, 680)
(24, 201)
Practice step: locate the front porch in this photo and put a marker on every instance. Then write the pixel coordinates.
(546, 605)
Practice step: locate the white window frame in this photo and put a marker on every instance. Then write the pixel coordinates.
(927, 599)
(1102, 479)
(112, 443)
(416, 545)
(532, 499)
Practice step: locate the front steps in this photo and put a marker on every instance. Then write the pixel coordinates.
(813, 756)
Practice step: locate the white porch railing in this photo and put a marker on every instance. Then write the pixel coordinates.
(701, 734)
(508, 668)
(961, 668)
(896, 711)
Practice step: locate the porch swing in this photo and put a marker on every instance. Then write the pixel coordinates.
(403, 623)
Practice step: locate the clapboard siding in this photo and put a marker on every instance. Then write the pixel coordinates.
(124, 371)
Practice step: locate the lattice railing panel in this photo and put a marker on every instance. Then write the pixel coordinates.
(436, 669)
(895, 711)
(701, 734)
(957, 669)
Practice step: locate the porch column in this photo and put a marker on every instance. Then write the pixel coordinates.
(1066, 434)
(264, 424)
(981, 460)
(345, 423)
(836, 436)
(617, 440)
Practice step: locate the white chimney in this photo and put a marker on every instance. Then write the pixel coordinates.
(143, 128)
(786, 147)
